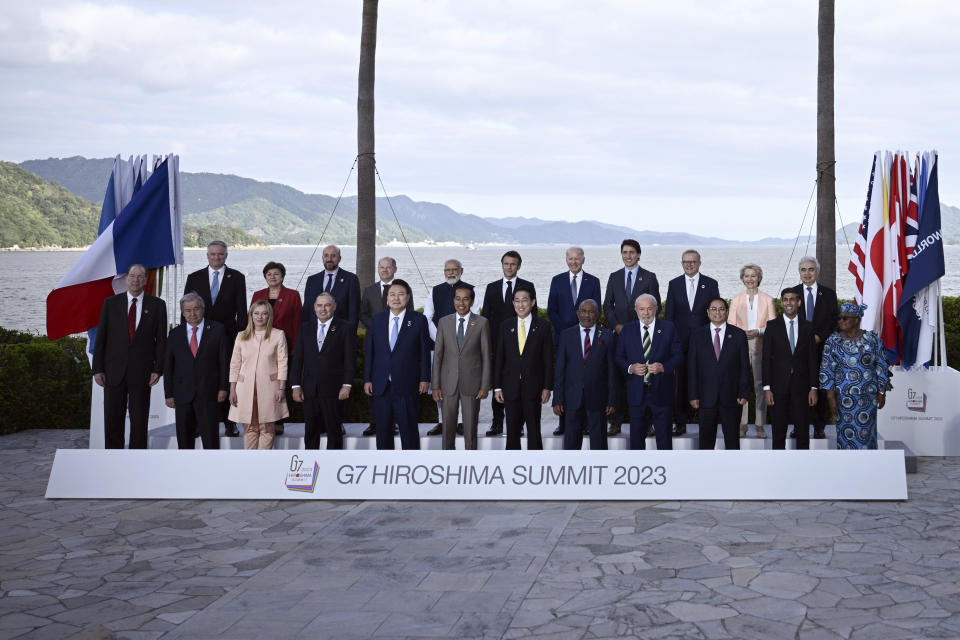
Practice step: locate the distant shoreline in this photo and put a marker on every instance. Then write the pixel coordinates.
(391, 245)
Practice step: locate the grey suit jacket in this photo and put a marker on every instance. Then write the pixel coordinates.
(465, 370)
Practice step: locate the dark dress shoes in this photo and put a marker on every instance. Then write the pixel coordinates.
(679, 430)
(495, 431)
(371, 430)
(614, 430)
(459, 428)
(558, 431)
(230, 429)
(818, 433)
(437, 430)
(278, 429)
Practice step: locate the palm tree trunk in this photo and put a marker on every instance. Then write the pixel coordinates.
(366, 186)
(826, 153)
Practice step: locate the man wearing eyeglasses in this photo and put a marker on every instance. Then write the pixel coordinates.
(718, 376)
(686, 307)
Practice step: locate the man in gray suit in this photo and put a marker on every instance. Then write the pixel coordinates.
(461, 367)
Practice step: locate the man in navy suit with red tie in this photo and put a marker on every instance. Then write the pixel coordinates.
(718, 376)
(585, 381)
(649, 352)
(195, 374)
(128, 358)
(686, 307)
(567, 291)
(396, 367)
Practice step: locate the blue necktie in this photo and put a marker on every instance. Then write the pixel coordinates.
(629, 283)
(215, 287)
(573, 291)
(809, 304)
(394, 332)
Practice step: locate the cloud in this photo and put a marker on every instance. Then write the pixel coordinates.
(551, 101)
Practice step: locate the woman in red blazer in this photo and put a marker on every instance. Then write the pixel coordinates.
(286, 304)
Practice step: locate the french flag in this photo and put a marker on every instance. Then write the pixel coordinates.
(144, 233)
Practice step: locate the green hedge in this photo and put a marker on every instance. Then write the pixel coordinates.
(46, 384)
(43, 384)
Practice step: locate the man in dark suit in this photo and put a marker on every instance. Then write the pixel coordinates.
(623, 287)
(372, 302)
(648, 350)
(818, 305)
(790, 371)
(439, 304)
(523, 369)
(567, 291)
(195, 374)
(340, 283)
(686, 307)
(461, 368)
(321, 372)
(497, 307)
(128, 358)
(718, 376)
(396, 367)
(224, 293)
(585, 379)
(374, 298)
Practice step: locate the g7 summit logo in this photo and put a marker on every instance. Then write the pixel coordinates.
(916, 401)
(300, 479)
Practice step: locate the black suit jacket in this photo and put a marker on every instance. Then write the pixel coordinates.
(186, 377)
(119, 358)
(371, 303)
(618, 305)
(346, 291)
(677, 309)
(797, 372)
(718, 383)
(590, 383)
(322, 372)
(230, 309)
(495, 309)
(825, 310)
(524, 377)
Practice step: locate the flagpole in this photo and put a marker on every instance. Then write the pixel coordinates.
(941, 329)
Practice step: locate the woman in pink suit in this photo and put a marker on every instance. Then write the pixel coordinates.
(258, 376)
(750, 310)
(287, 308)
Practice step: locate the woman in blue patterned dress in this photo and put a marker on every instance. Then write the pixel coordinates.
(855, 374)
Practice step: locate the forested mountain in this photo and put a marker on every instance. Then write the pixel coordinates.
(278, 214)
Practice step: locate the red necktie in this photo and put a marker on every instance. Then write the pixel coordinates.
(586, 343)
(194, 347)
(132, 319)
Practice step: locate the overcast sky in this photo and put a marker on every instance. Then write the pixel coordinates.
(693, 116)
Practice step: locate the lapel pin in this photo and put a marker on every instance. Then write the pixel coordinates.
(512, 330)
(409, 323)
(146, 311)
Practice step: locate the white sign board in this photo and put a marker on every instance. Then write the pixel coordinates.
(479, 475)
(923, 410)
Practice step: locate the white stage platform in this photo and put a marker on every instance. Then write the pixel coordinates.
(164, 437)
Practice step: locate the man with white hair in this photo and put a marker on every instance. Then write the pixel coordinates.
(818, 305)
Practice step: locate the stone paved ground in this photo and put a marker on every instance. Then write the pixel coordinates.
(285, 569)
